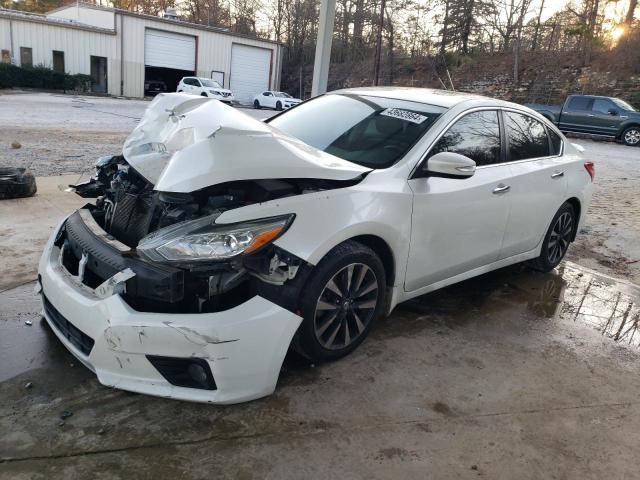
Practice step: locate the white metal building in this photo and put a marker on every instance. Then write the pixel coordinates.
(121, 50)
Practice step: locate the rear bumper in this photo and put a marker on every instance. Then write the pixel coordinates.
(244, 347)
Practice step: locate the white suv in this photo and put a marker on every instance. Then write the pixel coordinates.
(206, 88)
(217, 241)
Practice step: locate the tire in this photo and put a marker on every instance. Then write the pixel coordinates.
(278, 105)
(16, 183)
(256, 104)
(203, 94)
(179, 91)
(556, 241)
(334, 325)
(631, 136)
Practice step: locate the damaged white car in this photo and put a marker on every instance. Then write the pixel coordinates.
(216, 242)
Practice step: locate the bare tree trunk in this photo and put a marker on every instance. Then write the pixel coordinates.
(445, 28)
(631, 11)
(376, 67)
(534, 44)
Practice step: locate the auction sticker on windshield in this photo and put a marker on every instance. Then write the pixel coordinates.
(412, 117)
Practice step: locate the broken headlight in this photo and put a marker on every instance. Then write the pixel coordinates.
(203, 240)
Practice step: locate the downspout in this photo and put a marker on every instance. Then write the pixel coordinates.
(121, 33)
(12, 57)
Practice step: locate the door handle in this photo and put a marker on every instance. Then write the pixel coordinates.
(557, 174)
(501, 189)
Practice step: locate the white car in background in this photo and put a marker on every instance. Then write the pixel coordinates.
(273, 99)
(217, 241)
(205, 87)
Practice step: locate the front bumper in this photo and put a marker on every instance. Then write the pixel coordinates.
(244, 347)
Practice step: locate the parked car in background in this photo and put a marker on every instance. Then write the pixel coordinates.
(154, 87)
(594, 115)
(191, 279)
(277, 100)
(205, 87)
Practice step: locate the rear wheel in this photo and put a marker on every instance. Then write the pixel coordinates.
(256, 104)
(631, 136)
(341, 301)
(557, 240)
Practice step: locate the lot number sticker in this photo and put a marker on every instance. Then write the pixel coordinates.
(404, 115)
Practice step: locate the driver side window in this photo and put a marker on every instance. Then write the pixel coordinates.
(476, 135)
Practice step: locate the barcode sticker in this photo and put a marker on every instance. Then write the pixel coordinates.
(412, 117)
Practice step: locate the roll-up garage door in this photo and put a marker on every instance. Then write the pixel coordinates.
(250, 68)
(169, 50)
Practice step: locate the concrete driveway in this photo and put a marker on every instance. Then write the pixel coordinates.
(514, 374)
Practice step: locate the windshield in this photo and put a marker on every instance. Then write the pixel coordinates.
(210, 83)
(282, 94)
(622, 104)
(371, 131)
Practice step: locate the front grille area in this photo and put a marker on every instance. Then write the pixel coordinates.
(78, 339)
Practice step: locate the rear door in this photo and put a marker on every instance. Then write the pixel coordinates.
(576, 115)
(538, 184)
(458, 224)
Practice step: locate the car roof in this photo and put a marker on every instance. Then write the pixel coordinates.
(431, 96)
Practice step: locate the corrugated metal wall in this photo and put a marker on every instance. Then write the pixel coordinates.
(214, 51)
(77, 45)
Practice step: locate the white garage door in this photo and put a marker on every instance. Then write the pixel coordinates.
(169, 50)
(250, 68)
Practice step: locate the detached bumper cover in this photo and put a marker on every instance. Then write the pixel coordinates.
(244, 346)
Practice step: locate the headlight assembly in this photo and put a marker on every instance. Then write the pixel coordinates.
(202, 240)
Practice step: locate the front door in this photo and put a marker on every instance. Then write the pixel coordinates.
(607, 118)
(99, 74)
(458, 224)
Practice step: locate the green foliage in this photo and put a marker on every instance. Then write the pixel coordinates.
(41, 77)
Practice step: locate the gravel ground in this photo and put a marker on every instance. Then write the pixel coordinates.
(65, 134)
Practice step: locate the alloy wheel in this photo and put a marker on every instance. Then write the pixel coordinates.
(346, 306)
(632, 137)
(560, 238)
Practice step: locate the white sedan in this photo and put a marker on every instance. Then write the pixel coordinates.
(277, 100)
(191, 279)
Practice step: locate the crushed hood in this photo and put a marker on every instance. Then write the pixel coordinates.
(185, 143)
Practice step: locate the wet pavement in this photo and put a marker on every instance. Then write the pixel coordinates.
(514, 374)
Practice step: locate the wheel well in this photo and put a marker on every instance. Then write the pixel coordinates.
(625, 128)
(575, 203)
(383, 251)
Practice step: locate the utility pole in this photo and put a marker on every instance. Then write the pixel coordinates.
(323, 47)
(376, 67)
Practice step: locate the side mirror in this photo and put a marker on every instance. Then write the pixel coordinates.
(448, 165)
(613, 111)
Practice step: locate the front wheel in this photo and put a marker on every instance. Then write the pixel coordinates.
(256, 104)
(557, 240)
(341, 301)
(631, 136)
(278, 105)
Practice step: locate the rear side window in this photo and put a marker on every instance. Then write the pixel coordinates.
(556, 142)
(476, 135)
(527, 137)
(579, 103)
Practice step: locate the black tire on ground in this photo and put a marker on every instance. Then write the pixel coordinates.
(256, 104)
(631, 136)
(16, 183)
(337, 262)
(203, 94)
(179, 91)
(560, 235)
(278, 105)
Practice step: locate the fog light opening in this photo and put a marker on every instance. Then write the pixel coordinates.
(184, 372)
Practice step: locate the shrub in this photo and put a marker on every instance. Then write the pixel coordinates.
(41, 77)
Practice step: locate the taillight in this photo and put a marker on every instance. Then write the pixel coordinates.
(591, 169)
